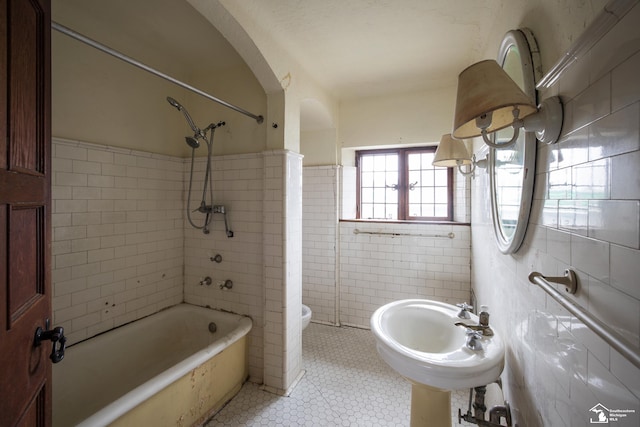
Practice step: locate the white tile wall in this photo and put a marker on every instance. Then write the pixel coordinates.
(237, 184)
(293, 267)
(374, 270)
(586, 216)
(121, 243)
(320, 227)
(117, 236)
(282, 259)
(378, 269)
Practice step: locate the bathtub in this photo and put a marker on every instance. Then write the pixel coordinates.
(165, 369)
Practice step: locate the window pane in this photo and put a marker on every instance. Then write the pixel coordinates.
(378, 194)
(379, 162)
(379, 179)
(379, 211)
(427, 159)
(441, 210)
(392, 211)
(391, 196)
(414, 161)
(427, 178)
(367, 179)
(414, 176)
(392, 178)
(366, 163)
(367, 195)
(428, 194)
(392, 162)
(441, 177)
(441, 195)
(414, 197)
(367, 211)
(428, 209)
(417, 184)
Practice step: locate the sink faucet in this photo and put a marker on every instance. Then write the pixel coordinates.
(483, 323)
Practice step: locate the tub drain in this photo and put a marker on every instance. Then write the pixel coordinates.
(213, 327)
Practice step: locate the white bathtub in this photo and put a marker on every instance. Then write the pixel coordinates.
(165, 369)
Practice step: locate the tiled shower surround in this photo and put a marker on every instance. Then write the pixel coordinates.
(122, 247)
(586, 215)
(117, 236)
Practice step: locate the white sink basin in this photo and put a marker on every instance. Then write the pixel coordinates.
(419, 339)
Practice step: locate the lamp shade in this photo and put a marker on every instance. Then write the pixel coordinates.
(485, 88)
(451, 153)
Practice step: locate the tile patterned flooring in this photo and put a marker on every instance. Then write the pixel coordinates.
(345, 384)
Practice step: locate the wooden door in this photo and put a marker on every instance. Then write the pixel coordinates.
(25, 229)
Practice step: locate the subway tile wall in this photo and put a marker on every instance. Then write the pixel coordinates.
(373, 270)
(292, 185)
(420, 262)
(320, 227)
(123, 247)
(585, 215)
(238, 186)
(282, 259)
(117, 249)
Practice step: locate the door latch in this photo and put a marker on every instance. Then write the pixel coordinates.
(56, 336)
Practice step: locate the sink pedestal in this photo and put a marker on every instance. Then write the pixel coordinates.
(430, 406)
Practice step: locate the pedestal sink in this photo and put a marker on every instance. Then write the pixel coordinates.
(419, 339)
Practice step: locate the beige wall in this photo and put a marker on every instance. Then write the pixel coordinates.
(98, 98)
(412, 118)
(319, 147)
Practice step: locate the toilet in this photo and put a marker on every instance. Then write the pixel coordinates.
(306, 316)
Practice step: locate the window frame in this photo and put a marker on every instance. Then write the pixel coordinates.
(403, 183)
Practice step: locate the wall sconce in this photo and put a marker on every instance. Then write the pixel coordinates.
(489, 100)
(453, 152)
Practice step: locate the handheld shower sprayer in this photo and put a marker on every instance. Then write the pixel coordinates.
(198, 132)
(205, 207)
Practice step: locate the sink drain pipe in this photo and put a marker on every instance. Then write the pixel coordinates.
(496, 413)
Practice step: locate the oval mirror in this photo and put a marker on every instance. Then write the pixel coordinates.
(512, 169)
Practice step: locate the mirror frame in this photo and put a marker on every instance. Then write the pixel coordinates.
(524, 41)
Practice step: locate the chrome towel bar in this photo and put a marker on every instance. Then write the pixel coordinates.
(383, 233)
(613, 338)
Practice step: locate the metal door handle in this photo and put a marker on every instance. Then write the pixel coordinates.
(56, 336)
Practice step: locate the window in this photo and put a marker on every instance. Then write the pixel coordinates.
(401, 184)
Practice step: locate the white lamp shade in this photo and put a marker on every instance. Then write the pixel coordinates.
(451, 153)
(485, 87)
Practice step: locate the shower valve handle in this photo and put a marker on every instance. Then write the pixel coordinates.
(56, 336)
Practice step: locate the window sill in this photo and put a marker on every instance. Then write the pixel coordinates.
(393, 221)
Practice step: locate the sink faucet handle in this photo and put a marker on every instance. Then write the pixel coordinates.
(472, 333)
(464, 310)
(473, 340)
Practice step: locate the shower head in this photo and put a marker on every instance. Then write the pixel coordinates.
(176, 104)
(192, 141)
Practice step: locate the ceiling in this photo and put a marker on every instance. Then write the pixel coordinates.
(362, 48)
(352, 48)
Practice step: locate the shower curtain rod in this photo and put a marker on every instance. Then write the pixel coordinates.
(69, 32)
